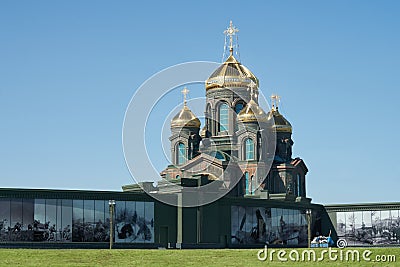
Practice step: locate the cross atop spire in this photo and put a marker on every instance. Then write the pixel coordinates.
(231, 31)
(252, 88)
(185, 92)
(275, 101)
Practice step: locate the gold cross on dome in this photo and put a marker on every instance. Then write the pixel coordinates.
(185, 92)
(275, 101)
(252, 87)
(230, 31)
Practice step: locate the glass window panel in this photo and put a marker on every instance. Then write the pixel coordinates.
(27, 213)
(359, 220)
(27, 220)
(16, 220)
(141, 233)
(234, 224)
(5, 217)
(248, 225)
(131, 226)
(120, 219)
(16, 213)
(249, 149)
(107, 221)
(238, 107)
(89, 223)
(39, 224)
(181, 153)
(376, 217)
(367, 218)
(246, 181)
(59, 220)
(77, 221)
(100, 234)
(51, 220)
(223, 117)
(341, 223)
(385, 220)
(275, 225)
(259, 222)
(268, 226)
(149, 221)
(396, 219)
(66, 220)
(240, 235)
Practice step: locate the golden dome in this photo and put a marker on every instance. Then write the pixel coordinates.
(280, 123)
(185, 118)
(231, 74)
(252, 113)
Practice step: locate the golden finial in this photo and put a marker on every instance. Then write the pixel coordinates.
(275, 101)
(185, 92)
(231, 30)
(252, 87)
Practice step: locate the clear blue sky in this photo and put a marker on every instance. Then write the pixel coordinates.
(69, 68)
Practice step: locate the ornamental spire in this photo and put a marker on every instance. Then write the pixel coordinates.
(252, 87)
(231, 31)
(275, 101)
(185, 92)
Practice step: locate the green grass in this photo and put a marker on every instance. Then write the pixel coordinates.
(150, 257)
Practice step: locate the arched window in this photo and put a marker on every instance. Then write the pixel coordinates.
(249, 149)
(239, 106)
(246, 180)
(181, 154)
(223, 117)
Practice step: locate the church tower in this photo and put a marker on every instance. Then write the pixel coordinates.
(185, 138)
(227, 93)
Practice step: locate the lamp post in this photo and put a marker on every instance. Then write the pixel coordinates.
(308, 213)
(111, 204)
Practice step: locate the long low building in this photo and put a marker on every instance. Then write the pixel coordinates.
(77, 218)
(71, 218)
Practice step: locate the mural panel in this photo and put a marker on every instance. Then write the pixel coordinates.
(363, 228)
(259, 225)
(134, 222)
(67, 220)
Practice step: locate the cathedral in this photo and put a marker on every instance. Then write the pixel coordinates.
(232, 183)
(256, 145)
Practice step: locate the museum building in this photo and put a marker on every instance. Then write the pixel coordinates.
(242, 155)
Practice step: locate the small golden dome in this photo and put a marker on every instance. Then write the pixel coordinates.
(252, 113)
(280, 123)
(231, 74)
(185, 118)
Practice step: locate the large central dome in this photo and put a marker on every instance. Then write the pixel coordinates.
(231, 74)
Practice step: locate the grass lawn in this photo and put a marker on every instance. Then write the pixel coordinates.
(151, 257)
